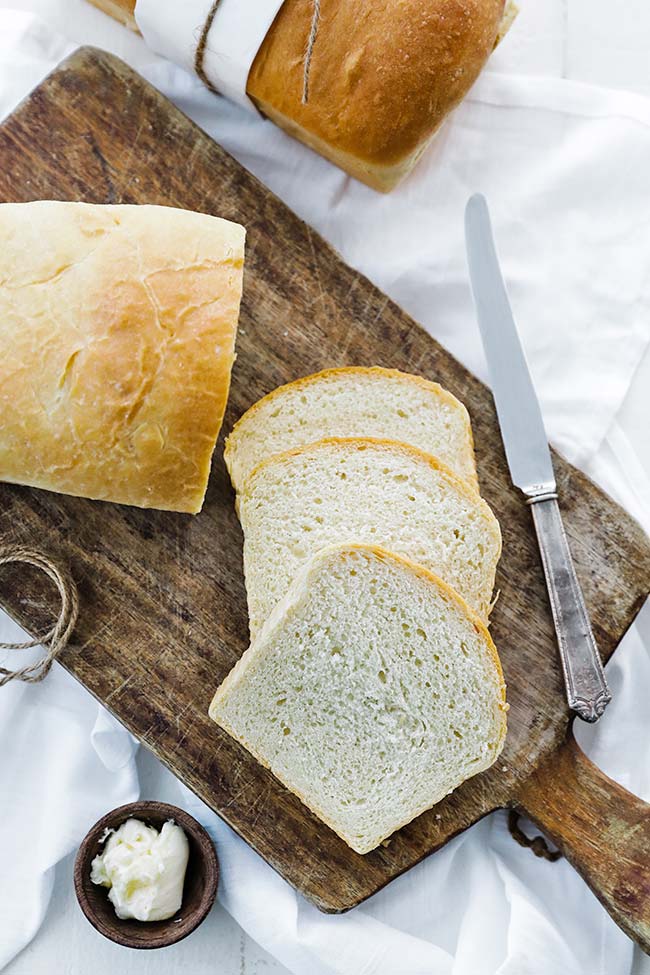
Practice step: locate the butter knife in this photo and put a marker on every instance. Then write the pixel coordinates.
(531, 467)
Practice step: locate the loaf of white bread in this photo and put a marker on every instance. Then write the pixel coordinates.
(382, 76)
(117, 336)
(371, 687)
(371, 692)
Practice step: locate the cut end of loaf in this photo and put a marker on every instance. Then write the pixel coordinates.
(510, 14)
(371, 692)
(121, 10)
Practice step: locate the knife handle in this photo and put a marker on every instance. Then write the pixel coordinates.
(587, 691)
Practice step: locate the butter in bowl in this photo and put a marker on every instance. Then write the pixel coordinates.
(146, 875)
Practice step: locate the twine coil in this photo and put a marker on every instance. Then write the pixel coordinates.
(199, 54)
(57, 637)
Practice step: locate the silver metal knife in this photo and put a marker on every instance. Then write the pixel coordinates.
(531, 468)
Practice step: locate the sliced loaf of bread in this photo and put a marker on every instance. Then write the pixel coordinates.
(370, 491)
(354, 402)
(371, 692)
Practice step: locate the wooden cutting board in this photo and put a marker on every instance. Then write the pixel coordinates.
(163, 611)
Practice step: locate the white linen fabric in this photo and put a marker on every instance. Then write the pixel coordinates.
(564, 168)
(63, 760)
(234, 38)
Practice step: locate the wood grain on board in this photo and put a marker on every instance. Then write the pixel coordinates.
(163, 610)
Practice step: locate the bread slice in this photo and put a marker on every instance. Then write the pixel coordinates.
(370, 491)
(372, 692)
(354, 402)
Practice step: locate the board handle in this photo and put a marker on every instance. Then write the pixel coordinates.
(602, 829)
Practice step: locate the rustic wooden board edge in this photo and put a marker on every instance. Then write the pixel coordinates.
(602, 829)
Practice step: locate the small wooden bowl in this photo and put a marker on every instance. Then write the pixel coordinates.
(199, 892)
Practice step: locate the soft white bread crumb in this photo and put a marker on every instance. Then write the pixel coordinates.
(371, 692)
(369, 491)
(354, 402)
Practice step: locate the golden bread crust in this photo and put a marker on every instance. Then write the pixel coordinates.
(382, 75)
(117, 332)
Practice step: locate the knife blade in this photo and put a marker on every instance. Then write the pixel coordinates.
(530, 464)
(520, 417)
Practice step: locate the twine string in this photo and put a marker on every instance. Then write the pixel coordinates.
(199, 54)
(311, 40)
(56, 638)
(201, 46)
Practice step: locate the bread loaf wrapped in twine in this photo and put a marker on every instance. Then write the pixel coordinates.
(366, 85)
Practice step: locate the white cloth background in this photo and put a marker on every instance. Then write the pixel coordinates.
(564, 167)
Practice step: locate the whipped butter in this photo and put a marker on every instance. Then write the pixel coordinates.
(144, 869)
